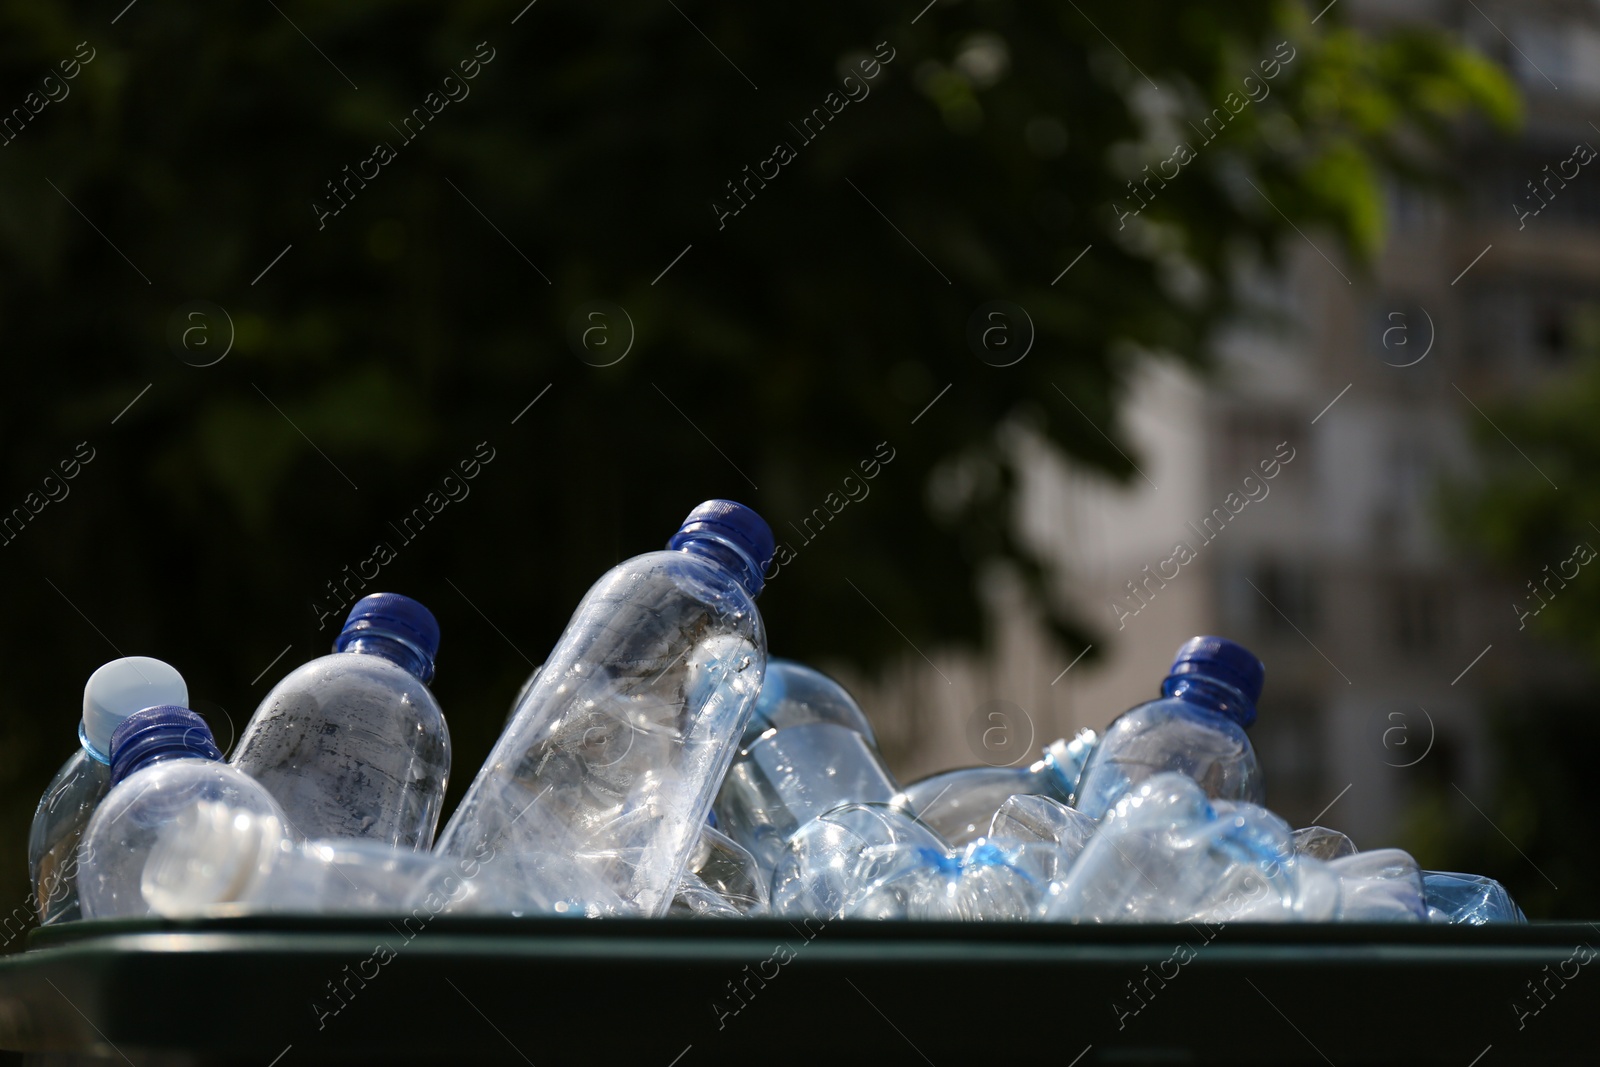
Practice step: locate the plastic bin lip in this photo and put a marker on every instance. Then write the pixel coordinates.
(547, 990)
(953, 934)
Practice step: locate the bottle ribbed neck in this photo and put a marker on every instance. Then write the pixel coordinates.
(734, 559)
(1212, 694)
(392, 647)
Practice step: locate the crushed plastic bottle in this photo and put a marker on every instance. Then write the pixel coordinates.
(217, 859)
(599, 789)
(986, 881)
(1322, 843)
(1167, 853)
(163, 760)
(113, 692)
(1197, 729)
(1382, 885)
(1468, 899)
(353, 744)
(835, 859)
(960, 804)
(807, 749)
(1035, 818)
(722, 880)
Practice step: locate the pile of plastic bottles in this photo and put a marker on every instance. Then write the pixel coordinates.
(659, 764)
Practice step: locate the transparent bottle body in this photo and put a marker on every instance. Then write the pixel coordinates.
(129, 821)
(343, 876)
(352, 745)
(1469, 899)
(833, 861)
(1170, 735)
(961, 804)
(722, 880)
(1028, 817)
(982, 882)
(790, 776)
(599, 788)
(807, 749)
(63, 814)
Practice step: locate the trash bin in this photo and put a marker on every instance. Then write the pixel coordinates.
(675, 993)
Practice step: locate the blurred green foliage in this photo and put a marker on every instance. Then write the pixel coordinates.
(782, 346)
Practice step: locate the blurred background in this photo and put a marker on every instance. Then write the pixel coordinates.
(1044, 336)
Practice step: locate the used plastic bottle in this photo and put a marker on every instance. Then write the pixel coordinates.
(986, 881)
(722, 880)
(960, 804)
(599, 789)
(1323, 843)
(1034, 818)
(1197, 728)
(115, 691)
(836, 859)
(1469, 899)
(353, 744)
(217, 859)
(1167, 853)
(807, 749)
(163, 760)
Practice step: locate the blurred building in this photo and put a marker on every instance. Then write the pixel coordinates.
(1384, 645)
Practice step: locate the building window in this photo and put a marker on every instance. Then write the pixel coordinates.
(1418, 610)
(1251, 436)
(1270, 599)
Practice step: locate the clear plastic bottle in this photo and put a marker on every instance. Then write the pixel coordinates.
(1197, 729)
(217, 859)
(722, 880)
(960, 804)
(1322, 843)
(1028, 817)
(600, 787)
(836, 859)
(114, 691)
(163, 760)
(1468, 899)
(1167, 853)
(808, 748)
(354, 744)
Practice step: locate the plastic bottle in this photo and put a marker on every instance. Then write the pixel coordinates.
(114, 691)
(722, 880)
(163, 760)
(807, 749)
(986, 881)
(833, 861)
(1167, 853)
(960, 804)
(1469, 899)
(353, 744)
(217, 859)
(1035, 818)
(1323, 843)
(600, 787)
(1197, 729)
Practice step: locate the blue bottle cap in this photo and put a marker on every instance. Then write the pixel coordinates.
(163, 732)
(734, 525)
(398, 618)
(1223, 661)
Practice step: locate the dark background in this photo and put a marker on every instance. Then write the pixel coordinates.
(770, 355)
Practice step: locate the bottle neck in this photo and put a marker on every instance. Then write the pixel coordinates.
(161, 750)
(1211, 694)
(399, 652)
(732, 558)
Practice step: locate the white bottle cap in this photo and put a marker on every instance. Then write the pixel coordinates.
(120, 688)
